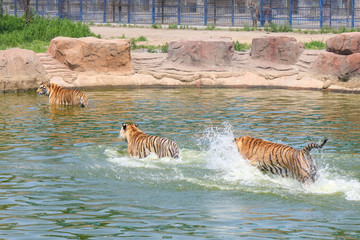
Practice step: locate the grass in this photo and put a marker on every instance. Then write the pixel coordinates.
(37, 35)
(315, 45)
(241, 47)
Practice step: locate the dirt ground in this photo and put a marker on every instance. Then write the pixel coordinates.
(161, 36)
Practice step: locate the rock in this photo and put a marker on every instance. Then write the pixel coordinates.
(343, 66)
(344, 44)
(201, 53)
(20, 69)
(92, 54)
(283, 50)
(327, 84)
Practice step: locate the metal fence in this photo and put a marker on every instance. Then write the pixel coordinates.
(304, 14)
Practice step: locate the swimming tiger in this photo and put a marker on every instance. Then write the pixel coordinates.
(280, 159)
(255, 13)
(141, 144)
(59, 95)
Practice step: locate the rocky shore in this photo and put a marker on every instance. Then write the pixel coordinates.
(273, 62)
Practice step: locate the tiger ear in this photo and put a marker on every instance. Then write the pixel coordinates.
(124, 126)
(48, 84)
(136, 125)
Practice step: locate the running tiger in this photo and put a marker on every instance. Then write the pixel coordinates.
(141, 144)
(59, 95)
(280, 159)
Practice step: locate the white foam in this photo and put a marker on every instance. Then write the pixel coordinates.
(218, 165)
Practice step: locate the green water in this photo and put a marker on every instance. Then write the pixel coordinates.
(65, 174)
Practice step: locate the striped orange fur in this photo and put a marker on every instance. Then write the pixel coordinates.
(62, 96)
(280, 159)
(141, 144)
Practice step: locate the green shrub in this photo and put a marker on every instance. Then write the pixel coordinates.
(173, 26)
(165, 48)
(210, 27)
(285, 28)
(184, 27)
(15, 33)
(246, 27)
(315, 45)
(141, 39)
(156, 26)
(241, 47)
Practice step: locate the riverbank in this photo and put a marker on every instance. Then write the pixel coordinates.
(157, 70)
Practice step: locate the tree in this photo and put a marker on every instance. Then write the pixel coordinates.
(26, 6)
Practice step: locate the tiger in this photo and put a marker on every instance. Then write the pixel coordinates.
(62, 96)
(280, 159)
(255, 13)
(141, 145)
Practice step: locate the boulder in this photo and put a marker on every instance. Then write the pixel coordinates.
(344, 44)
(342, 66)
(20, 69)
(92, 54)
(201, 53)
(283, 50)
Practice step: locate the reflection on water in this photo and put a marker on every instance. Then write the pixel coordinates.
(65, 174)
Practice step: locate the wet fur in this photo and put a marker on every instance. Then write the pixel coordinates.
(62, 96)
(141, 144)
(280, 159)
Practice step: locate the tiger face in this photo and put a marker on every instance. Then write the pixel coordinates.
(126, 129)
(44, 88)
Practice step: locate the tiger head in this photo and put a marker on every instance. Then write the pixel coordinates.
(251, 4)
(127, 129)
(44, 88)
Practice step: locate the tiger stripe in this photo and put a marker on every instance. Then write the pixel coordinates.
(141, 144)
(62, 96)
(280, 159)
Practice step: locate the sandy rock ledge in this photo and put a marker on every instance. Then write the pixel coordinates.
(70, 63)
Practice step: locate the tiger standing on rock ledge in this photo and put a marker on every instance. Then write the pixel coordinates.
(141, 145)
(280, 159)
(62, 96)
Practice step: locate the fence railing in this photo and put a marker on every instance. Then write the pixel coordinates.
(302, 14)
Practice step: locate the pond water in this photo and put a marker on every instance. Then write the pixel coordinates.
(64, 174)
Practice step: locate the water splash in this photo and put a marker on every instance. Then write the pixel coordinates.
(218, 165)
(221, 154)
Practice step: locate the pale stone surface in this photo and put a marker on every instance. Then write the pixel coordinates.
(20, 69)
(342, 66)
(344, 44)
(201, 53)
(92, 54)
(283, 50)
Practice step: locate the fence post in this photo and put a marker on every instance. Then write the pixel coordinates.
(178, 12)
(15, 7)
(290, 13)
(262, 21)
(352, 13)
(81, 12)
(104, 11)
(232, 12)
(37, 7)
(119, 12)
(321, 14)
(153, 12)
(59, 9)
(128, 11)
(205, 12)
